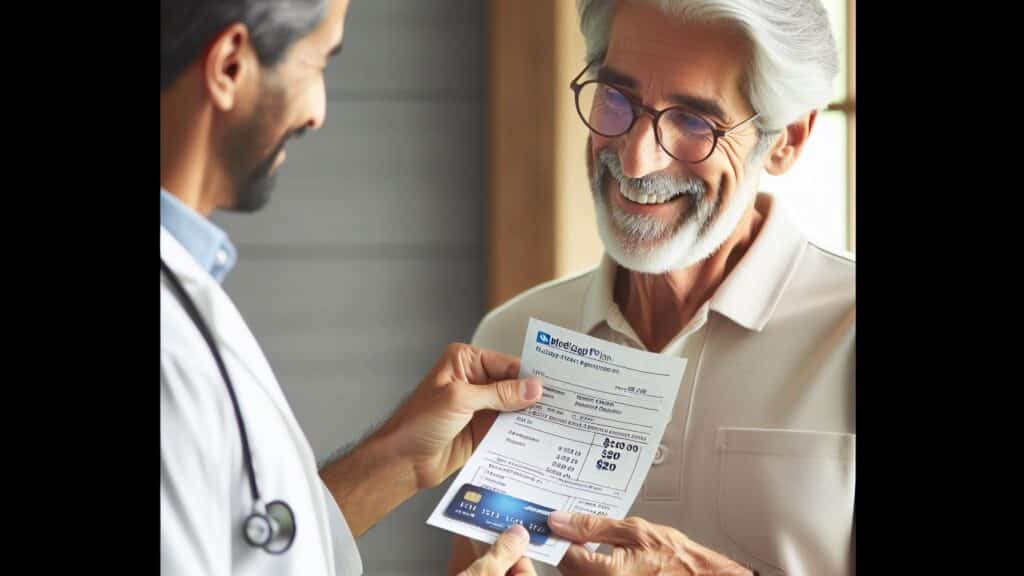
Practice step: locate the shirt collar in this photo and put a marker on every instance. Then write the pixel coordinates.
(202, 239)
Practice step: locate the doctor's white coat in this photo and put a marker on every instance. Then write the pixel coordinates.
(204, 490)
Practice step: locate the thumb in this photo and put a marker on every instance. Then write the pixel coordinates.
(505, 395)
(522, 568)
(506, 552)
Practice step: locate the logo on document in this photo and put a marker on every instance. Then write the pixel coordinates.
(543, 337)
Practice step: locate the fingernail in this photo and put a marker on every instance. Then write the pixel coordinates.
(559, 518)
(530, 388)
(519, 532)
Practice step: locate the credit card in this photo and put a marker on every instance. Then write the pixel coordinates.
(496, 512)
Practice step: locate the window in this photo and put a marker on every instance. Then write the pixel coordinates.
(819, 190)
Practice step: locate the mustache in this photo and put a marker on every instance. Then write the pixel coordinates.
(650, 184)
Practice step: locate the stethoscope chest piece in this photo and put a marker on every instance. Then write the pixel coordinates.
(273, 531)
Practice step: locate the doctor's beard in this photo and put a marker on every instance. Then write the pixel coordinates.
(253, 184)
(254, 192)
(653, 245)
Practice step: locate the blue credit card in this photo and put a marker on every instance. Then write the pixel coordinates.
(496, 512)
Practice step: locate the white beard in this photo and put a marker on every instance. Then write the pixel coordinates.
(633, 241)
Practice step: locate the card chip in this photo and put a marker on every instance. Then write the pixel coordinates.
(472, 496)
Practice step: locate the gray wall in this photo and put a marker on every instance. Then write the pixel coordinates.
(369, 257)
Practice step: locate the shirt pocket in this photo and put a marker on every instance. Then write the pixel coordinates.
(785, 497)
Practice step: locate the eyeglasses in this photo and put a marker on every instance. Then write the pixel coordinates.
(609, 112)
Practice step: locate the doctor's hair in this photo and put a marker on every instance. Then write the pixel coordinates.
(188, 26)
(794, 53)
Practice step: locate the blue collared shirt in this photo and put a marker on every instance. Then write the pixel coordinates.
(208, 244)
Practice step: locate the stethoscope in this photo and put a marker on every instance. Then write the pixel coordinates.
(270, 527)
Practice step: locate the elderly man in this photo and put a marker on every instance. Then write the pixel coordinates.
(686, 103)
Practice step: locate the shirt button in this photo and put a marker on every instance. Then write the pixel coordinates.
(659, 454)
(222, 257)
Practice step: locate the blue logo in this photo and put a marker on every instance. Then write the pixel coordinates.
(543, 337)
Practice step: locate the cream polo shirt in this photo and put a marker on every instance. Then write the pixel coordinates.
(758, 460)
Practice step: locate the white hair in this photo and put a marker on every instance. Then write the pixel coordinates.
(794, 54)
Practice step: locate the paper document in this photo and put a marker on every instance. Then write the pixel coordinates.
(586, 446)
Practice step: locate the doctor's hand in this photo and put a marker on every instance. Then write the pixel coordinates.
(638, 547)
(438, 426)
(505, 558)
(431, 435)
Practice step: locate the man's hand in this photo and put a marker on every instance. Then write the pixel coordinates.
(432, 430)
(431, 435)
(639, 547)
(505, 558)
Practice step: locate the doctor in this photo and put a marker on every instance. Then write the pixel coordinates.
(239, 489)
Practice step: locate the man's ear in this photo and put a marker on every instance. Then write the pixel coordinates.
(789, 144)
(229, 61)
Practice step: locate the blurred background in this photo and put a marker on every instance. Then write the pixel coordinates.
(448, 177)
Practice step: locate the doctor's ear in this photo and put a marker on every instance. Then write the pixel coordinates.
(228, 64)
(789, 144)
